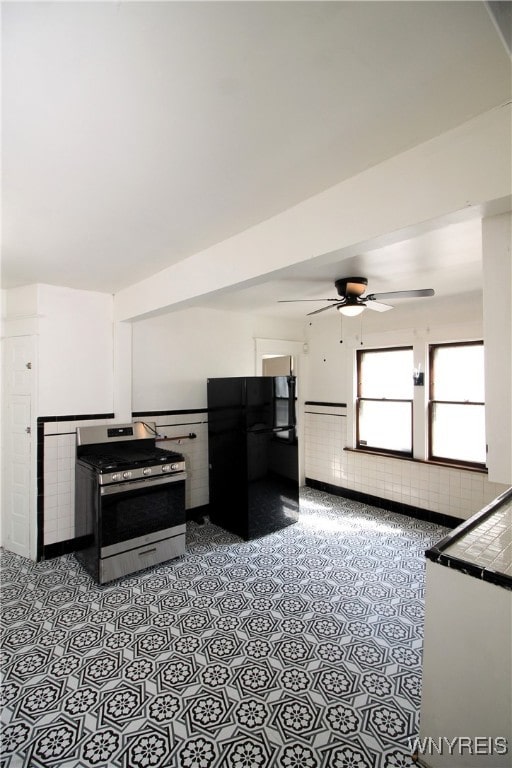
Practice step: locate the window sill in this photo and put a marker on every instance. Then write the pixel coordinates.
(449, 465)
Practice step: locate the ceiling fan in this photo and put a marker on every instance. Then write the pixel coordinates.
(352, 301)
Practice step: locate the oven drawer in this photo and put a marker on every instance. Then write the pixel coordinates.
(142, 557)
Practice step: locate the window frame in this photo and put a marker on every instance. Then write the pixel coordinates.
(360, 398)
(432, 402)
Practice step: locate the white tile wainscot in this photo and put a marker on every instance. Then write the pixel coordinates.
(59, 451)
(195, 451)
(325, 435)
(446, 490)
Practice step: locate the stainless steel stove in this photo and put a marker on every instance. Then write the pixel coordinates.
(129, 500)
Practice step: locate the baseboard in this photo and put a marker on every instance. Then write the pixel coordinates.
(438, 518)
(197, 514)
(66, 547)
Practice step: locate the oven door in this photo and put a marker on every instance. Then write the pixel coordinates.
(140, 512)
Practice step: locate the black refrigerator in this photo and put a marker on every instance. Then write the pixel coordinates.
(253, 454)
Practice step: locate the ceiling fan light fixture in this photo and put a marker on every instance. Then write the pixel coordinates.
(351, 308)
(353, 300)
(351, 286)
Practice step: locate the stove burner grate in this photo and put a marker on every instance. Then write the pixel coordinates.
(130, 457)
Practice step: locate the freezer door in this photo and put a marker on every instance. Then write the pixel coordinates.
(270, 402)
(226, 405)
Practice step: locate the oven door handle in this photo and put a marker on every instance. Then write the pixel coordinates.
(134, 485)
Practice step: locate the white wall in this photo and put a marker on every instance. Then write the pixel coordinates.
(73, 331)
(75, 351)
(20, 303)
(174, 354)
(497, 281)
(330, 370)
(172, 357)
(331, 378)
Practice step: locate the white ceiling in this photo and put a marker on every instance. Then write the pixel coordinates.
(136, 134)
(447, 259)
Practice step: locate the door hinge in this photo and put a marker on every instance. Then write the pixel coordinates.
(28, 430)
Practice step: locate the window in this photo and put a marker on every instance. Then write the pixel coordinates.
(456, 403)
(384, 400)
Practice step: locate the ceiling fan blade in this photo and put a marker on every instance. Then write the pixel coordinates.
(330, 306)
(290, 301)
(378, 307)
(421, 292)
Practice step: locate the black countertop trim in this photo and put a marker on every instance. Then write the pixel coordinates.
(437, 554)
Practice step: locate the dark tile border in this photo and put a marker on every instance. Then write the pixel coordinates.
(40, 489)
(183, 412)
(437, 555)
(76, 417)
(391, 506)
(328, 405)
(197, 514)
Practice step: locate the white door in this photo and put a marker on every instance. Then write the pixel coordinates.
(19, 493)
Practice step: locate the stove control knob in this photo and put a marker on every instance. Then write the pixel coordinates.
(166, 468)
(146, 471)
(116, 476)
(127, 475)
(174, 466)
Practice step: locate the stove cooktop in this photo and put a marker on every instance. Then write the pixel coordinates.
(121, 458)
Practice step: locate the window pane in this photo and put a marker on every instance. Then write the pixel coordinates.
(459, 373)
(458, 432)
(385, 425)
(387, 373)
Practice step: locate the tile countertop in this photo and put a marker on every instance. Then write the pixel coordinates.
(481, 546)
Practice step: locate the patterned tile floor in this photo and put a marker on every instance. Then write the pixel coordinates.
(301, 649)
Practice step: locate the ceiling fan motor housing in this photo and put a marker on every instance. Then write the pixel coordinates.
(351, 286)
